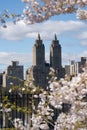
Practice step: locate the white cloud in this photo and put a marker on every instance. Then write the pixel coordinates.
(83, 54)
(84, 43)
(46, 29)
(23, 58)
(6, 59)
(26, 58)
(83, 35)
(66, 58)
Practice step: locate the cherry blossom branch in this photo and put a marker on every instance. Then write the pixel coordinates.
(36, 11)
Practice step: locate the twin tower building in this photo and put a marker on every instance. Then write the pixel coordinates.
(40, 69)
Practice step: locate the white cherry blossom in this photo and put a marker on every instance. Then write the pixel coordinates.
(36, 11)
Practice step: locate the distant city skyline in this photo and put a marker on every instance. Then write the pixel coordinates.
(16, 41)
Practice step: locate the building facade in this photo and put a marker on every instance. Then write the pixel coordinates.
(75, 67)
(40, 69)
(56, 58)
(13, 75)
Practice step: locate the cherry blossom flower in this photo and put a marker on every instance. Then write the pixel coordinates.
(36, 11)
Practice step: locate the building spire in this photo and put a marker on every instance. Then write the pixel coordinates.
(55, 37)
(39, 37)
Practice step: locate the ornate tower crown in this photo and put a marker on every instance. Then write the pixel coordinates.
(55, 38)
(39, 37)
(55, 53)
(55, 41)
(38, 52)
(38, 40)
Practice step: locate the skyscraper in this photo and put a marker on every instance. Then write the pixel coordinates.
(38, 52)
(55, 54)
(40, 69)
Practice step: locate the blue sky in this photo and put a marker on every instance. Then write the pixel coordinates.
(16, 41)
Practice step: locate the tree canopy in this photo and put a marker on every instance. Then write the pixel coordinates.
(36, 11)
